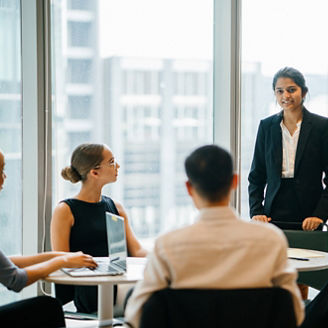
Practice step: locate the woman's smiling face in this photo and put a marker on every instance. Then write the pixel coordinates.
(288, 94)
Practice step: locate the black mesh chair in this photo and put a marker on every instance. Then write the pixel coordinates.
(40, 311)
(230, 308)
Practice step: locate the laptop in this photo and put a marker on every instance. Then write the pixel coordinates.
(115, 264)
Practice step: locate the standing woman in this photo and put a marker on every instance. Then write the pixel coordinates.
(79, 223)
(290, 158)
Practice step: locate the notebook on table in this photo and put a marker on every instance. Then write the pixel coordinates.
(116, 262)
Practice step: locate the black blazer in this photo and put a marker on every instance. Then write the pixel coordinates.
(310, 163)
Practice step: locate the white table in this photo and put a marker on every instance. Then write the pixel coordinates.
(314, 263)
(135, 268)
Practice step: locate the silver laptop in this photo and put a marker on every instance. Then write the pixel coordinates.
(116, 262)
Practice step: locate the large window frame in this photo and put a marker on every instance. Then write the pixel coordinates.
(36, 164)
(227, 85)
(36, 102)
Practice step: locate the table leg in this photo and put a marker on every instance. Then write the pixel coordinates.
(105, 302)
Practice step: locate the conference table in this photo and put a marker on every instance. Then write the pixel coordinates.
(300, 259)
(307, 260)
(135, 268)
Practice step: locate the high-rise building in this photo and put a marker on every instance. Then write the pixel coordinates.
(156, 111)
(151, 112)
(77, 113)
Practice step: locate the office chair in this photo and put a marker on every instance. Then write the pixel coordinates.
(230, 308)
(316, 240)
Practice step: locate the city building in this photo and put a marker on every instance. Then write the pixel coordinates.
(156, 111)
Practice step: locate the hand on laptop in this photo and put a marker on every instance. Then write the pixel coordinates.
(78, 260)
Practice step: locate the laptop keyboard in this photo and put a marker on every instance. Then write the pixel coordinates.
(121, 263)
(104, 267)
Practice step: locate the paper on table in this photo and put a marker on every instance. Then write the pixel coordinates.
(137, 260)
(299, 252)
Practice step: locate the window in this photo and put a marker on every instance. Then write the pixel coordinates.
(76, 138)
(273, 46)
(79, 107)
(10, 110)
(10, 133)
(79, 71)
(141, 160)
(142, 123)
(133, 85)
(79, 34)
(80, 4)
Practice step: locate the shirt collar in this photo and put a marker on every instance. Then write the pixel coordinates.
(283, 126)
(223, 212)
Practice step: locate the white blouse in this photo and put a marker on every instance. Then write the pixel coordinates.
(289, 147)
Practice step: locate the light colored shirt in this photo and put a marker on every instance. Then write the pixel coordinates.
(289, 147)
(11, 276)
(218, 251)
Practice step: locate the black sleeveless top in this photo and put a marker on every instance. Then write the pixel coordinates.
(89, 235)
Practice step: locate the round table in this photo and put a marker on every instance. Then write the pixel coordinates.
(313, 264)
(135, 268)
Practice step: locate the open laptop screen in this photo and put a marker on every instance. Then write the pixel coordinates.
(117, 252)
(116, 237)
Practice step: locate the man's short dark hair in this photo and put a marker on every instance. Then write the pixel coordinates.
(210, 171)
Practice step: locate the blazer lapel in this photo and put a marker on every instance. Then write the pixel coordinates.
(277, 143)
(303, 138)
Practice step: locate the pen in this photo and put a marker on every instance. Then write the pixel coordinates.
(299, 258)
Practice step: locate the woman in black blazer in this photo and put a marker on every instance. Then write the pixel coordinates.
(290, 158)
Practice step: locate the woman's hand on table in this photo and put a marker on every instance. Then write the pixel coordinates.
(262, 218)
(311, 223)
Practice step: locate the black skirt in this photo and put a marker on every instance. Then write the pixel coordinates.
(285, 210)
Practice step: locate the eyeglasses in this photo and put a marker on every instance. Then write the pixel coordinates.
(112, 162)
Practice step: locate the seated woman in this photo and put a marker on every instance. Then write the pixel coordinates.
(79, 223)
(17, 272)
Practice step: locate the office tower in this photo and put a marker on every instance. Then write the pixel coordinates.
(77, 113)
(156, 111)
(151, 112)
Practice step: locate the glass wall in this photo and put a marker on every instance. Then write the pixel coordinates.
(144, 88)
(276, 34)
(10, 133)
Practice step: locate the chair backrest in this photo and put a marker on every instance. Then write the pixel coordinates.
(229, 308)
(317, 240)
